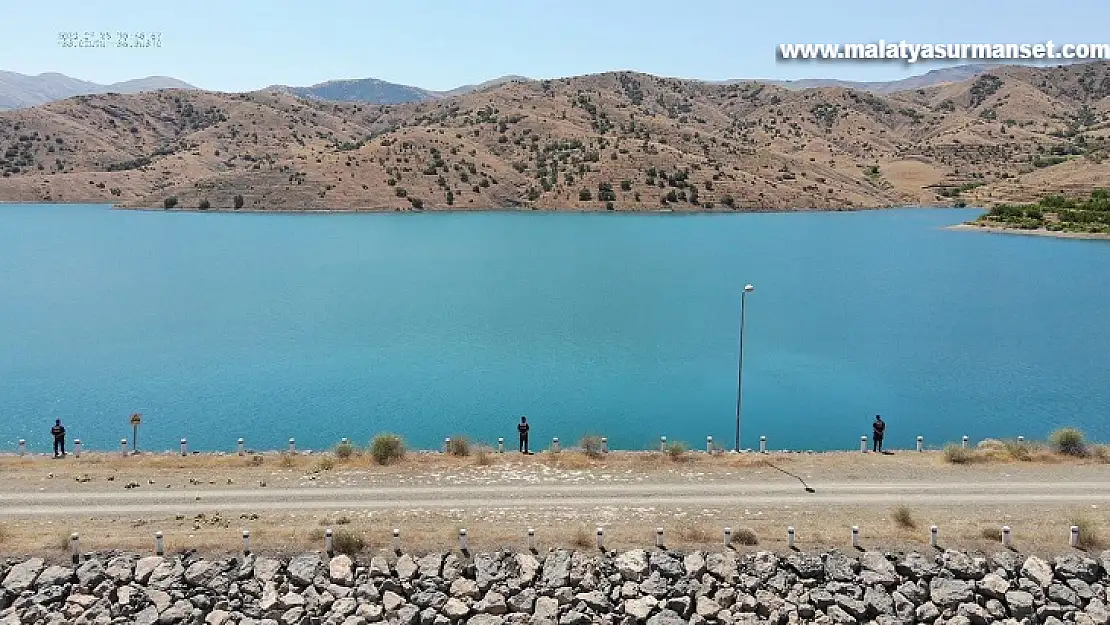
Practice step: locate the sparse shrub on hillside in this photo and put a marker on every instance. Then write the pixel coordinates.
(344, 451)
(745, 536)
(169, 202)
(1069, 441)
(238, 201)
(956, 454)
(204, 205)
(1088, 533)
(903, 518)
(677, 450)
(585, 195)
(591, 446)
(458, 446)
(387, 448)
(347, 542)
(326, 463)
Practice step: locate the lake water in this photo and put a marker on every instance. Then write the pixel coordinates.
(217, 326)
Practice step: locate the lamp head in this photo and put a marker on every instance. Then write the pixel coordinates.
(748, 288)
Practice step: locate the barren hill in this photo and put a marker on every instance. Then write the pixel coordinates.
(20, 90)
(623, 141)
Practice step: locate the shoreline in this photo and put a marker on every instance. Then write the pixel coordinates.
(1084, 236)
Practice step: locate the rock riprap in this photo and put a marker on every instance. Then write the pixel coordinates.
(560, 587)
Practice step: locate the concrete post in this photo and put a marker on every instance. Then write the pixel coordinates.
(933, 536)
(77, 448)
(762, 444)
(601, 538)
(239, 444)
(159, 544)
(328, 549)
(462, 540)
(1006, 538)
(396, 539)
(123, 447)
(659, 537)
(22, 447)
(446, 444)
(500, 445)
(965, 441)
(708, 444)
(184, 447)
(863, 444)
(920, 443)
(75, 548)
(790, 537)
(855, 536)
(555, 445)
(662, 443)
(1074, 541)
(1021, 439)
(728, 537)
(292, 445)
(604, 445)
(531, 539)
(246, 542)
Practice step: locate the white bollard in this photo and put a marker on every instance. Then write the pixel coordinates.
(446, 444)
(604, 445)
(863, 444)
(77, 448)
(920, 443)
(246, 542)
(500, 445)
(75, 547)
(159, 544)
(762, 444)
(531, 539)
(241, 450)
(933, 536)
(1021, 439)
(662, 443)
(396, 540)
(1006, 539)
(555, 445)
(22, 447)
(855, 536)
(123, 446)
(728, 537)
(462, 539)
(790, 537)
(601, 538)
(184, 447)
(965, 441)
(1074, 542)
(328, 549)
(708, 444)
(659, 537)
(292, 446)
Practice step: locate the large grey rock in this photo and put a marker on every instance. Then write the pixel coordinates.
(201, 573)
(430, 565)
(556, 569)
(666, 617)
(878, 601)
(694, 563)
(1098, 612)
(1037, 570)
(341, 570)
(392, 601)
(1020, 603)
(1074, 566)
(706, 607)
(527, 568)
(304, 568)
(840, 567)
(722, 566)
(464, 587)
(90, 573)
(455, 609)
(962, 565)
(632, 565)
(1063, 595)
(667, 564)
(949, 593)
(406, 567)
(493, 603)
(546, 611)
(54, 576)
(120, 569)
(917, 566)
(806, 566)
(266, 569)
(22, 576)
(639, 609)
(993, 586)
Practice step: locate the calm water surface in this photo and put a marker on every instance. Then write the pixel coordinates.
(216, 326)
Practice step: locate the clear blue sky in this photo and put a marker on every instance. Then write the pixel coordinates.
(238, 45)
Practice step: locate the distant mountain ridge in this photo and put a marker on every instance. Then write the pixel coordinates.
(22, 91)
(931, 78)
(375, 91)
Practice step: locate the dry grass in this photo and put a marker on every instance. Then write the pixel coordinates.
(345, 451)
(903, 518)
(676, 451)
(591, 446)
(287, 460)
(745, 536)
(348, 542)
(484, 457)
(583, 538)
(1089, 538)
(993, 534)
(326, 463)
(458, 446)
(568, 461)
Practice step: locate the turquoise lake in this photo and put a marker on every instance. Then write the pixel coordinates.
(267, 326)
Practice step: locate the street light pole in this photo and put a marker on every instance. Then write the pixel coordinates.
(740, 365)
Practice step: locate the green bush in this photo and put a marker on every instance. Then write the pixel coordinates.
(344, 451)
(458, 446)
(1069, 441)
(204, 205)
(677, 450)
(347, 542)
(387, 448)
(238, 201)
(745, 536)
(591, 446)
(169, 202)
(956, 454)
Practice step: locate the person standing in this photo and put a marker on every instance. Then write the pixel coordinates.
(878, 428)
(522, 429)
(59, 433)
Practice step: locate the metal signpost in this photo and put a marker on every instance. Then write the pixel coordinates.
(136, 419)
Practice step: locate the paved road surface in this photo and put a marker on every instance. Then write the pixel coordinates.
(153, 499)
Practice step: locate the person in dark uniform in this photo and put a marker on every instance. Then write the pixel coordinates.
(522, 429)
(878, 428)
(59, 433)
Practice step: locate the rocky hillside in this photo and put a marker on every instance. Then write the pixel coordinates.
(618, 141)
(562, 588)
